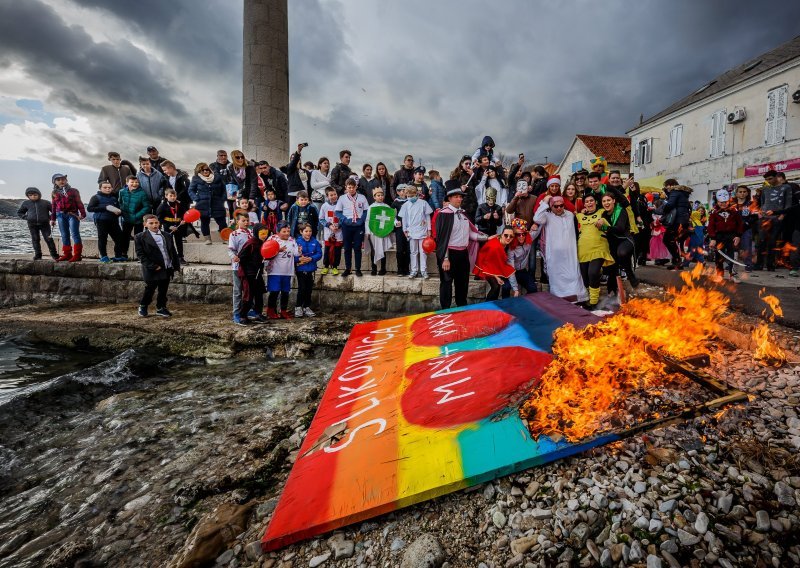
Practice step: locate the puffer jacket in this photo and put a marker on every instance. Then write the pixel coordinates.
(310, 248)
(209, 198)
(134, 205)
(35, 211)
(678, 199)
(99, 202)
(153, 186)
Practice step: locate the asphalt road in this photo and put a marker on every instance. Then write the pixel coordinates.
(744, 295)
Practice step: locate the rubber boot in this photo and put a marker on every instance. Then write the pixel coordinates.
(272, 314)
(594, 297)
(76, 253)
(66, 253)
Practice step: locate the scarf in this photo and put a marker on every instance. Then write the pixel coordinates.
(208, 178)
(240, 172)
(615, 214)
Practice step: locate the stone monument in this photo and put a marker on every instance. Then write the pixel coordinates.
(265, 86)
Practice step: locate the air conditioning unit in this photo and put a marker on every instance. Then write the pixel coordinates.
(738, 115)
(796, 96)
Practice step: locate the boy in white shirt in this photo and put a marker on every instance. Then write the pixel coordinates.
(416, 216)
(331, 233)
(280, 270)
(235, 243)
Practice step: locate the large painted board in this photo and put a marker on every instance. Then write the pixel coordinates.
(421, 406)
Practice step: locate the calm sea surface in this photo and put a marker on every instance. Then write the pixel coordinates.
(15, 238)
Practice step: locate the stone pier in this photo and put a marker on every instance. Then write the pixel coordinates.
(265, 85)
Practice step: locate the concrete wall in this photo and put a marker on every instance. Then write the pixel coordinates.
(25, 281)
(265, 86)
(744, 141)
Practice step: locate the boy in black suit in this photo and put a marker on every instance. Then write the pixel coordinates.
(156, 251)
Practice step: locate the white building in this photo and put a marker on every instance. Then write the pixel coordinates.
(730, 130)
(615, 149)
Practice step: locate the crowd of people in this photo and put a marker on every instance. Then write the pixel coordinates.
(507, 224)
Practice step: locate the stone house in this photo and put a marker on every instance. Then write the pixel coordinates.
(615, 149)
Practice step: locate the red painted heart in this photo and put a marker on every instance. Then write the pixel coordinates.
(468, 386)
(442, 329)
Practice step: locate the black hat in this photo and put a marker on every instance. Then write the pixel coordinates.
(151, 148)
(453, 187)
(420, 170)
(33, 191)
(582, 172)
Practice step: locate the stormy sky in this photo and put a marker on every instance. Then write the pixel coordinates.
(81, 77)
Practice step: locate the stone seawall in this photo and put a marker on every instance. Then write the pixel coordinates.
(24, 281)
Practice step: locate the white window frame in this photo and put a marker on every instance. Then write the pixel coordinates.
(676, 141)
(719, 120)
(775, 128)
(644, 151)
(577, 165)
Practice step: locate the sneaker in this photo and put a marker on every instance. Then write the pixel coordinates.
(252, 314)
(382, 273)
(298, 312)
(163, 312)
(143, 311)
(425, 276)
(105, 260)
(183, 261)
(359, 273)
(412, 275)
(346, 272)
(373, 272)
(208, 242)
(335, 271)
(244, 322)
(259, 319)
(794, 273)
(38, 257)
(324, 271)
(120, 259)
(308, 313)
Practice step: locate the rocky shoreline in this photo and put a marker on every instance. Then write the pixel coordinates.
(187, 471)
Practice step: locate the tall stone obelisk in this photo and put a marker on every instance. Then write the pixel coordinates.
(265, 92)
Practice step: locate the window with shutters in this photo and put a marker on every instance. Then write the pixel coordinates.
(718, 121)
(676, 141)
(576, 166)
(776, 115)
(644, 151)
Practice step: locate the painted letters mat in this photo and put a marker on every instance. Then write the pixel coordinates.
(421, 406)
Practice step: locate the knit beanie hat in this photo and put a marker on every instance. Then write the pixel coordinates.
(554, 179)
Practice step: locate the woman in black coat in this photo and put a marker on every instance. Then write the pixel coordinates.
(677, 230)
(208, 193)
(245, 178)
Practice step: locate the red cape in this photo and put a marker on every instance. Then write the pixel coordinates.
(493, 260)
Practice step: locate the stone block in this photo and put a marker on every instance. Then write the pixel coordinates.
(402, 285)
(351, 302)
(221, 277)
(430, 287)
(7, 265)
(368, 284)
(194, 292)
(112, 271)
(378, 303)
(24, 266)
(47, 284)
(196, 275)
(331, 282)
(477, 289)
(418, 304)
(69, 286)
(177, 292)
(395, 303)
(133, 271)
(219, 294)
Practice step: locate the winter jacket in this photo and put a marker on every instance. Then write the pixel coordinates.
(115, 176)
(310, 248)
(181, 186)
(487, 140)
(776, 199)
(134, 205)
(402, 176)
(209, 198)
(221, 170)
(153, 186)
(68, 201)
(275, 179)
(35, 211)
(725, 221)
(678, 199)
(99, 202)
(307, 214)
(171, 214)
(339, 175)
(317, 184)
(437, 194)
(523, 207)
(365, 187)
(295, 175)
(247, 186)
(488, 226)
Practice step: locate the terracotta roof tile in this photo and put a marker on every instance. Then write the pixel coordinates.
(615, 149)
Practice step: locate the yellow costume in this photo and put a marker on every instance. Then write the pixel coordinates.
(591, 242)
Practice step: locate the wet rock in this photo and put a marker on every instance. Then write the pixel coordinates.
(636, 553)
(425, 552)
(579, 535)
(225, 557)
(605, 558)
(762, 521)
(319, 559)
(42, 542)
(66, 555)
(669, 546)
(253, 550)
(655, 526)
(212, 535)
(266, 508)
(724, 503)
(341, 547)
(785, 494)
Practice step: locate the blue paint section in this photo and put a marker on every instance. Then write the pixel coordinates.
(493, 448)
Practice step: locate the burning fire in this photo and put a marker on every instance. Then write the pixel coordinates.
(594, 365)
(767, 351)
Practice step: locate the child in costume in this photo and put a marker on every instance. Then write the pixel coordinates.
(251, 275)
(280, 270)
(519, 252)
(378, 245)
(302, 213)
(331, 233)
(309, 253)
(725, 229)
(236, 241)
(697, 237)
(658, 251)
(416, 218)
(273, 211)
(400, 240)
(489, 216)
(493, 264)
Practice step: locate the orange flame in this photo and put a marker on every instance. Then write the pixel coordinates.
(767, 350)
(594, 366)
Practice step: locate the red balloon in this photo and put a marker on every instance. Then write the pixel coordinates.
(225, 233)
(428, 245)
(191, 216)
(649, 197)
(270, 249)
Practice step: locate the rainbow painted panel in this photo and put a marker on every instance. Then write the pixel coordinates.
(420, 406)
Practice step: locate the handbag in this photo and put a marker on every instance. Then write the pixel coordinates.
(669, 219)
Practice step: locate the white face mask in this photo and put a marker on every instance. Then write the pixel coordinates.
(413, 199)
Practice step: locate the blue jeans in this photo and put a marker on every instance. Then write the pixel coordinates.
(69, 226)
